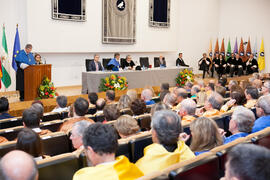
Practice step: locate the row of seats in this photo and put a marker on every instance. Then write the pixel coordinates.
(210, 165)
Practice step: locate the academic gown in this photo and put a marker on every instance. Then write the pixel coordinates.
(114, 64)
(22, 57)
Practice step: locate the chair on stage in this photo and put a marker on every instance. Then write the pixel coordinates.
(87, 63)
(144, 62)
(105, 62)
(157, 62)
(122, 60)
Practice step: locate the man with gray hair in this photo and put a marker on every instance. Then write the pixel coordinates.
(212, 105)
(263, 112)
(241, 123)
(194, 90)
(147, 96)
(61, 104)
(166, 149)
(266, 88)
(187, 110)
(169, 99)
(77, 133)
(18, 165)
(95, 65)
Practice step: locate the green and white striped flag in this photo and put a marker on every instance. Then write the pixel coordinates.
(5, 63)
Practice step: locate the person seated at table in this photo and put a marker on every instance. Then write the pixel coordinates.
(252, 65)
(128, 63)
(166, 149)
(205, 135)
(180, 61)
(101, 144)
(38, 59)
(30, 142)
(95, 65)
(241, 123)
(204, 64)
(162, 61)
(4, 108)
(61, 104)
(212, 106)
(147, 96)
(114, 63)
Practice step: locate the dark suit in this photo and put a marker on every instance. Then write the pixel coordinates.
(180, 62)
(252, 66)
(92, 66)
(204, 65)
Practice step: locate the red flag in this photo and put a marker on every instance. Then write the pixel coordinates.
(248, 50)
(217, 47)
(242, 51)
(222, 49)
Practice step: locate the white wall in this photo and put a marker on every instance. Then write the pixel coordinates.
(246, 18)
(66, 45)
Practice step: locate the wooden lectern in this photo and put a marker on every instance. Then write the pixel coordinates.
(33, 76)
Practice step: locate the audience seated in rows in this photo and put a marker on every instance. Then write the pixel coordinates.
(205, 135)
(170, 99)
(124, 102)
(110, 97)
(31, 119)
(180, 94)
(212, 106)
(4, 108)
(100, 106)
(100, 142)
(166, 149)
(241, 123)
(244, 84)
(38, 108)
(247, 161)
(187, 111)
(111, 112)
(252, 95)
(158, 107)
(147, 96)
(164, 87)
(61, 104)
(18, 165)
(126, 126)
(30, 142)
(80, 109)
(76, 135)
(132, 94)
(263, 112)
(138, 107)
(222, 81)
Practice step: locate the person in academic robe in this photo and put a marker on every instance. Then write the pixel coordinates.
(239, 65)
(23, 60)
(215, 64)
(252, 65)
(166, 149)
(128, 63)
(231, 64)
(180, 61)
(222, 67)
(114, 63)
(102, 156)
(204, 64)
(95, 65)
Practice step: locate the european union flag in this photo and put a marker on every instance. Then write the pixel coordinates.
(16, 49)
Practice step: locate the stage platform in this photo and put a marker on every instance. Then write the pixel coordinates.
(73, 92)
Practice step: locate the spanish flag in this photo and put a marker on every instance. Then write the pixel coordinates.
(261, 59)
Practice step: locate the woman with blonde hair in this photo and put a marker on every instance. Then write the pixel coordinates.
(124, 102)
(126, 126)
(132, 94)
(205, 135)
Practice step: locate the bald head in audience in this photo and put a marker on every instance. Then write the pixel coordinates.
(18, 165)
(146, 95)
(188, 107)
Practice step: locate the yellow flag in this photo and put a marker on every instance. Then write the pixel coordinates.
(261, 59)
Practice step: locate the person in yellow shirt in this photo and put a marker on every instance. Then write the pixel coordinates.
(212, 106)
(187, 111)
(166, 149)
(100, 143)
(252, 95)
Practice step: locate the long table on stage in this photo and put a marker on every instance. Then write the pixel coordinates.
(136, 79)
